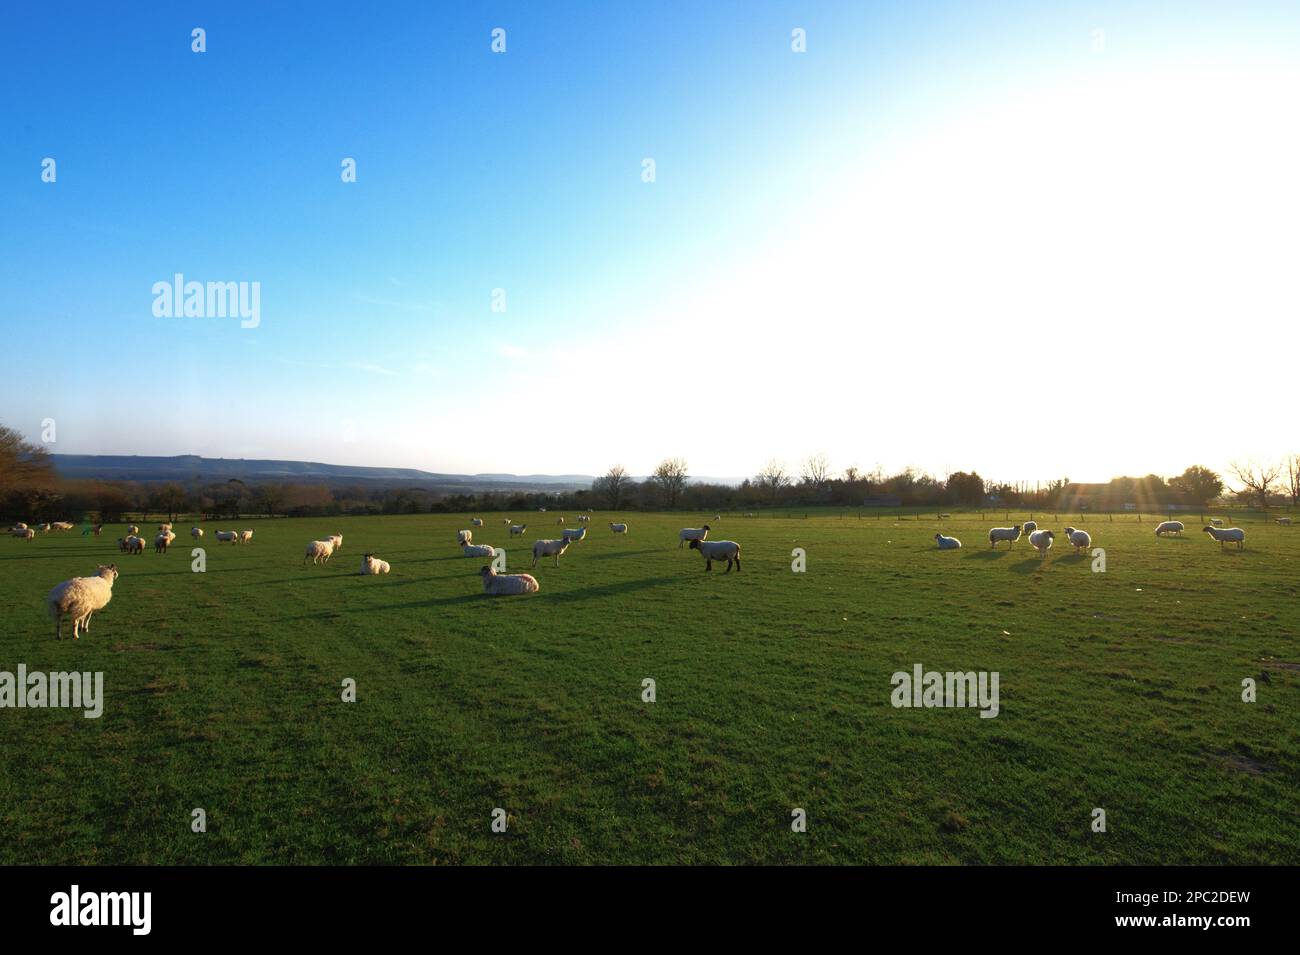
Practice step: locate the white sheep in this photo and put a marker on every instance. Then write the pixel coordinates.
(1028, 527)
(246, 537)
(504, 585)
(79, 598)
(947, 543)
(20, 526)
(692, 534)
(478, 550)
(337, 539)
(618, 528)
(1216, 521)
(370, 564)
(1169, 527)
(584, 518)
(1227, 535)
(559, 521)
(1042, 541)
(1008, 534)
(61, 526)
(573, 535)
(477, 522)
(319, 552)
(196, 532)
(1284, 520)
(133, 529)
(464, 537)
(160, 544)
(164, 527)
(134, 544)
(517, 530)
(550, 548)
(1081, 540)
(718, 550)
(232, 536)
(25, 533)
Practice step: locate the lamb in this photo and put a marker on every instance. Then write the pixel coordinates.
(618, 528)
(505, 585)
(550, 548)
(1169, 527)
(79, 598)
(1028, 527)
(370, 564)
(246, 537)
(517, 530)
(718, 550)
(692, 534)
(1227, 535)
(232, 536)
(478, 550)
(1042, 540)
(318, 552)
(196, 532)
(134, 544)
(1008, 534)
(1081, 540)
(947, 543)
(45, 528)
(464, 537)
(573, 535)
(477, 522)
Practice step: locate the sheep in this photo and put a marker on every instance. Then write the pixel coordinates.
(478, 550)
(318, 552)
(121, 544)
(618, 528)
(20, 526)
(79, 598)
(944, 517)
(1227, 535)
(692, 534)
(550, 548)
(506, 521)
(160, 544)
(246, 537)
(26, 534)
(947, 543)
(135, 544)
(718, 550)
(196, 532)
(504, 585)
(337, 539)
(517, 530)
(133, 530)
(584, 518)
(370, 564)
(477, 522)
(61, 526)
(1169, 527)
(1028, 527)
(45, 528)
(573, 535)
(559, 521)
(717, 517)
(96, 530)
(232, 536)
(1216, 521)
(164, 527)
(464, 537)
(1081, 540)
(1008, 534)
(1284, 520)
(1042, 540)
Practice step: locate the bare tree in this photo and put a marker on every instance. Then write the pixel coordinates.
(772, 478)
(612, 487)
(1293, 479)
(670, 477)
(817, 471)
(1256, 479)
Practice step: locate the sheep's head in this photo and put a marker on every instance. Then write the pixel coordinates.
(487, 571)
(1050, 535)
(1208, 529)
(695, 545)
(108, 571)
(937, 536)
(707, 527)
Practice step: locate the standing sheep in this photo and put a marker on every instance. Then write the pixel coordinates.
(692, 534)
(1081, 540)
(1028, 527)
(246, 537)
(196, 532)
(370, 564)
(477, 522)
(573, 535)
(1227, 535)
(618, 528)
(319, 552)
(134, 544)
(79, 598)
(549, 548)
(337, 539)
(1042, 541)
(160, 544)
(718, 550)
(25, 534)
(1008, 534)
(517, 530)
(478, 550)
(1169, 527)
(947, 543)
(232, 536)
(504, 585)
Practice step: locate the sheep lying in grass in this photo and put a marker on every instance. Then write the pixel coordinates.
(718, 550)
(1227, 535)
(692, 534)
(478, 550)
(618, 528)
(1042, 541)
(61, 526)
(550, 548)
(505, 585)
(79, 598)
(1008, 534)
(477, 522)
(196, 532)
(1284, 520)
(1169, 527)
(573, 535)
(517, 530)
(232, 536)
(1080, 540)
(370, 564)
(464, 537)
(947, 543)
(319, 552)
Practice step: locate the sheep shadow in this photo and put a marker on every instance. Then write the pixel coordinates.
(622, 553)
(1028, 566)
(987, 554)
(612, 590)
(412, 605)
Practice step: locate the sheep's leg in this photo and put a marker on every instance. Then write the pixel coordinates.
(85, 624)
(58, 627)
(708, 564)
(737, 563)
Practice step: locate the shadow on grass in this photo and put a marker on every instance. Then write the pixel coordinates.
(987, 554)
(1030, 565)
(610, 590)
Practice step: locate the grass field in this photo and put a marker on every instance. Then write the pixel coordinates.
(1120, 690)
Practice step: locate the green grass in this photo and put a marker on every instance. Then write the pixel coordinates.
(1119, 690)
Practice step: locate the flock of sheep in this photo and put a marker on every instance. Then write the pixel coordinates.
(1041, 540)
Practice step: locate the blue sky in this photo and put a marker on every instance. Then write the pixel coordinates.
(830, 239)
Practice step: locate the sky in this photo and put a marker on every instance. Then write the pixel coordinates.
(1033, 240)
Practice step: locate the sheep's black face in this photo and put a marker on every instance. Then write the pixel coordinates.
(695, 545)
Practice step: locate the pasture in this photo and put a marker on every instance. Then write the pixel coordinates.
(1119, 690)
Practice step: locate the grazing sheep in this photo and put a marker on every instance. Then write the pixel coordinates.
(718, 550)
(517, 530)
(505, 585)
(477, 522)
(160, 544)
(692, 534)
(478, 550)
(232, 536)
(947, 543)
(319, 552)
(370, 564)
(1028, 527)
(464, 537)
(506, 521)
(135, 544)
(25, 533)
(1284, 520)
(196, 532)
(1008, 534)
(1227, 535)
(570, 534)
(618, 528)
(1081, 540)
(96, 530)
(550, 548)
(246, 537)
(1169, 527)
(1042, 541)
(79, 598)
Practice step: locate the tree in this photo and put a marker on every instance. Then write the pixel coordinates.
(1197, 485)
(1256, 479)
(1293, 479)
(773, 478)
(23, 464)
(670, 479)
(963, 488)
(612, 488)
(817, 471)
